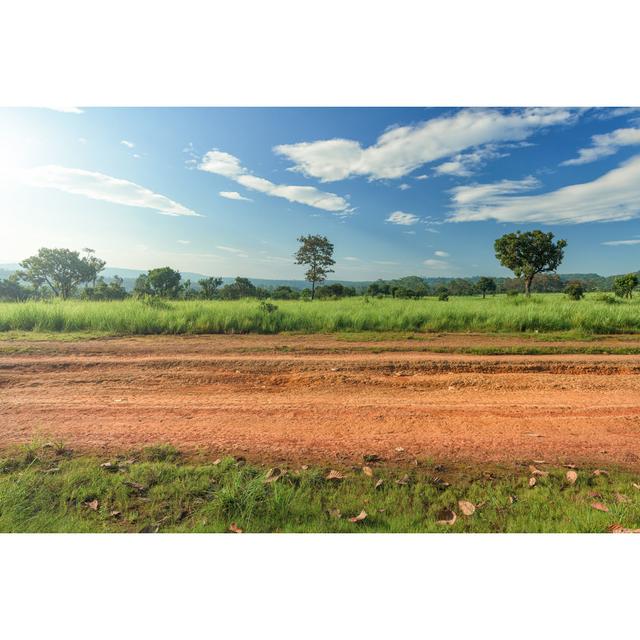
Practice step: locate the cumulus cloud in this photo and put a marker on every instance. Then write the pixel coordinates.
(100, 186)
(400, 217)
(404, 186)
(605, 144)
(225, 164)
(234, 195)
(465, 164)
(613, 196)
(441, 254)
(351, 259)
(127, 144)
(401, 150)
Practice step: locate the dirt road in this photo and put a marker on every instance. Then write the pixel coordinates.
(318, 398)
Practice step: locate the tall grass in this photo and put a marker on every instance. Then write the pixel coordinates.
(548, 312)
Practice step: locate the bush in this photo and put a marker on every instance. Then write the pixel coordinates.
(574, 290)
(267, 307)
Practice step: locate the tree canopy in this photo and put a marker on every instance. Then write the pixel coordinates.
(529, 253)
(317, 253)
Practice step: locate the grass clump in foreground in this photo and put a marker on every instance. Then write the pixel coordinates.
(541, 313)
(46, 488)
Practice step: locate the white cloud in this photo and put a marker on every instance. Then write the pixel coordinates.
(605, 144)
(184, 241)
(100, 186)
(127, 144)
(233, 195)
(400, 217)
(66, 109)
(82, 140)
(238, 252)
(225, 164)
(464, 164)
(404, 186)
(401, 150)
(617, 243)
(441, 254)
(432, 263)
(351, 259)
(613, 196)
(423, 176)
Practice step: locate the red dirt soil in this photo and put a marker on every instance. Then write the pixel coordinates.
(322, 399)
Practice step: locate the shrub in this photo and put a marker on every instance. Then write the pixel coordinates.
(574, 290)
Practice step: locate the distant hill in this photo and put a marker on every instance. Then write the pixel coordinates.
(129, 276)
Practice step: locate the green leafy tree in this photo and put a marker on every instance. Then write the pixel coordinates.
(239, 288)
(102, 290)
(209, 287)
(317, 253)
(61, 269)
(623, 286)
(95, 264)
(574, 290)
(163, 282)
(529, 253)
(486, 285)
(11, 289)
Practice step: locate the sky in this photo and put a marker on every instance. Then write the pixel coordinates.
(399, 191)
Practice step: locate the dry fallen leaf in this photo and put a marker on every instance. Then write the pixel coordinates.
(467, 508)
(367, 471)
(334, 513)
(234, 528)
(600, 472)
(404, 480)
(93, 504)
(304, 467)
(399, 449)
(537, 472)
(572, 476)
(532, 481)
(379, 483)
(618, 528)
(273, 475)
(135, 485)
(570, 466)
(114, 514)
(620, 498)
(446, 516)
(360, 517)
(513, 499)
(637, 486)
(217, 461)
(334, 475)
(600, 507)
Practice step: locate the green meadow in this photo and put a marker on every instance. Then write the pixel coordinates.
(595, 314)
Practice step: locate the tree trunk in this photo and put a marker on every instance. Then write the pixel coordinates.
(527, 286)
(313, 289)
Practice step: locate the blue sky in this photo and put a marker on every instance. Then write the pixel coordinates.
(399, 191)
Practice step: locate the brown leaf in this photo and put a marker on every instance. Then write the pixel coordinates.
(537, 472)
(379, 483)
(234, 528)
(570, 466)
(360, 517)
(618, 528)
(334, 513)
(539, 461)
(304, 467)
(140, 488)
(513, 499)
(114, 514)
(467, 508)
(217, 461)
(446, 516)
(571, 476)
(532, 481)
(367, 471)
(334, 475)
(600, 507)
(404, 480)
(620, 498)
(600, 472)
(273, 475)
(637, 486)
(93, 504)
(399, 449)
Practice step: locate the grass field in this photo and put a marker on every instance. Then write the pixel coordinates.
(540, 313)
(46, 488)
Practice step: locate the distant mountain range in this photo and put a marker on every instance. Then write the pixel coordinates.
(129, 276)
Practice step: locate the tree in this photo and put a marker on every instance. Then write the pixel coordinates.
(574, 290)
(623, 286)
(486, 285)
(529, 253)
(240, 288)
(62, 269)
(95, 264)
(12, 290)
(114, 290)
(317, 253)
(209, 287)
(163, 282)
